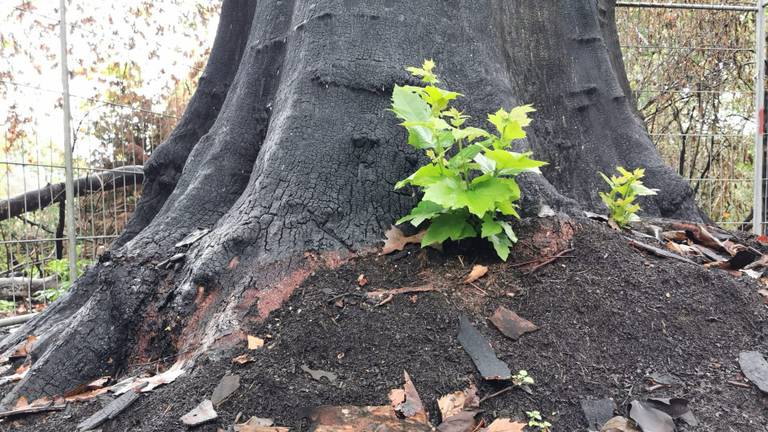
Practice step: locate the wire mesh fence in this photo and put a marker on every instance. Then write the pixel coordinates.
(691, 65)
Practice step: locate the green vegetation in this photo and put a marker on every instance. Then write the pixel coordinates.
(60, 268)
(7, 306)
(522, 378)
(621, 198)
(469, 183)
(536, 420)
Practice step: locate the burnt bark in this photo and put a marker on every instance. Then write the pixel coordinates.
(287, 147)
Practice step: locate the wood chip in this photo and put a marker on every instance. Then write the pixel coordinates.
(202, 413)
(255, 343)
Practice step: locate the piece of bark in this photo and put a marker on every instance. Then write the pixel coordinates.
(112, 410)
(203, 413)
(597, 412)
(650, 418)
(755, 368)
(32, 410)
(511, 324)
(481, 353)
(226, 386)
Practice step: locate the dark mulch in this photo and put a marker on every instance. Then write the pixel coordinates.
(609, 316)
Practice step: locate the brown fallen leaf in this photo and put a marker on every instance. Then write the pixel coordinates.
(619, 424)
(256, 424)
(477, 272)
(21, 403)
(463, 421)
(242, 359)
(511, 324)
(764, 293)
(396, 240)
(412, 407)
(254, 342)
(356, 419)
(504, 425)
(166, 377)
(362, 280)
(453, 403)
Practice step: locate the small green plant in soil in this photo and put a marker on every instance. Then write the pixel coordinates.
(535, 420)
(59, 268)
(522, 378)
(621, 198)
(469, 183)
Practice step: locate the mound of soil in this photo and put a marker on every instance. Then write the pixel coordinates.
(609, 316)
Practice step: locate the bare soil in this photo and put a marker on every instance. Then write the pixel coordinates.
(608, 314)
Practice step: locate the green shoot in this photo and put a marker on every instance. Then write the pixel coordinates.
(621, 198)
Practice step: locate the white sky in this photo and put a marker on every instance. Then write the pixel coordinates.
(183, 39)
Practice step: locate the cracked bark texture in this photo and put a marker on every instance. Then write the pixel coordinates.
(287, 147)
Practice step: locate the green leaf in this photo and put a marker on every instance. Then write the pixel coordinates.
(483, 196)
(453, 225)
(509, 231)
(465, 155)
(408, 106)
(520, 114)
(438, 98)
(487, 166)
(425, 72)
(469, 134)
(501, 245)
(490, 226)
(448, 192)
(425, 210)
(511, 163)
(424, 176)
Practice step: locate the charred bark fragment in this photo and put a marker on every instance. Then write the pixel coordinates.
(302, 155)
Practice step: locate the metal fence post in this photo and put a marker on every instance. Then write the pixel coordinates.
(70, 187)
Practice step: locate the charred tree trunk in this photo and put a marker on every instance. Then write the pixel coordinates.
(287, 147)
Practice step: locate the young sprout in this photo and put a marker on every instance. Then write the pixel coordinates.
(535, 420)
(522, 378)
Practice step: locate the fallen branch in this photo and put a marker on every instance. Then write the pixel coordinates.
(549, 260)
(20, 287)
(658, 251)
(39, 199)
(32, 410)
(18, 319)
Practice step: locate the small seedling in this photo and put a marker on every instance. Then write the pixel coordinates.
(621, 198)
(469, 184)
(537, 421)
(522, 378)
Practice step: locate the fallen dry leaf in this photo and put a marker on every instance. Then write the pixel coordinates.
(362, 280)
(396, 240)
(619, 424)
(504, 425)
(255, 342)
(21, 403)
(356, 419)
(256, 424)
(242, 359)
(453, 403)
(477, 272)
(412, 407)
(228, 384)
(463, 421)
(763, 292)
(511, 324)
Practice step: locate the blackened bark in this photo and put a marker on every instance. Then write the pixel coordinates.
(302, 156)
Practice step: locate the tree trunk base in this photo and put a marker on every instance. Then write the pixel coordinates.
(608, 316)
